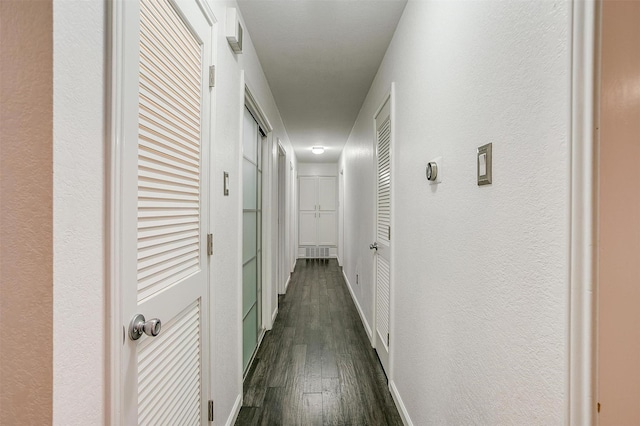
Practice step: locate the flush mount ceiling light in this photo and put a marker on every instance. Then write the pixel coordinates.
(317, 149)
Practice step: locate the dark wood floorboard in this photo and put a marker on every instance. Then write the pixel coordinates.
(316, 366)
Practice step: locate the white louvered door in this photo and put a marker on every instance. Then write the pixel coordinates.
(164, 210)
(383, 233)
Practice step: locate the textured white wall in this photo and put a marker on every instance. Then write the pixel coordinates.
(80, 190)
(317, 169)
(79, 213)
(480, 329)
(227, 226)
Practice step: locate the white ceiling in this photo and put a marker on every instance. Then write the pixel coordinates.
(320, 57)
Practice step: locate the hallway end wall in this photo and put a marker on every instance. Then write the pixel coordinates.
(480, 273)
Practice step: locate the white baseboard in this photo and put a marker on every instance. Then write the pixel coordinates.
(286, 285)
(364, 320)
(235, 411)
(399, 404)
(273, 317)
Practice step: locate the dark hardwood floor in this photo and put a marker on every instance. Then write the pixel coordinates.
(317, 367)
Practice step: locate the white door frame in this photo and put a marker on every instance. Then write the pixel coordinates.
(283, 217)
(293, 220)
(117, 80)
(581, 318)
(341, 259)
(389, 96)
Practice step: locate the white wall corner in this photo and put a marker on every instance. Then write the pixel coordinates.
(273, 317)
(235, 411)
(581, 383)
(362, 317)
(402, 410)
(286, 286)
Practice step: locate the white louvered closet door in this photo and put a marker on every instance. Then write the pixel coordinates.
(383, 233)
(165, 163)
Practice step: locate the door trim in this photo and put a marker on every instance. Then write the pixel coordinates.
(283, 214)
(582, 283)
(114, 135)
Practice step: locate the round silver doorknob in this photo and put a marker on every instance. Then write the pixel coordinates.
(139, 326)
(152, 327)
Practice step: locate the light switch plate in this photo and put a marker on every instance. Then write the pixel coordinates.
(484, 163)
(226, 183)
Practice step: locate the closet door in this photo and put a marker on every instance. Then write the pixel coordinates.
(308, 195)
(327, 193)
(251, 240)
(327, 227)
(383, 235)
(308, 228)
(308, 232)
(162, 214)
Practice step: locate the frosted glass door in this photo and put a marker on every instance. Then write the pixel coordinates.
(251, 240)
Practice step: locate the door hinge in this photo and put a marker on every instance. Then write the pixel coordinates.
(389, 233)
(212, 76)
(210, 244)
(388, 340)
(210, 411)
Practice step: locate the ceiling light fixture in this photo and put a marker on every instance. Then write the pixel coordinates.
(317, 150)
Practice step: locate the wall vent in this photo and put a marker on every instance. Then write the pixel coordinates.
(310, 252)
(314, 252)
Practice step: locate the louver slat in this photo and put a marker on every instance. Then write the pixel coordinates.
(169, 372)
(384, 181)
(169, 150)
(382, 303)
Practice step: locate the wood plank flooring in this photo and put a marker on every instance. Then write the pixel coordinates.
(317, 367)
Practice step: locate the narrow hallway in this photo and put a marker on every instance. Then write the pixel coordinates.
(317, 366)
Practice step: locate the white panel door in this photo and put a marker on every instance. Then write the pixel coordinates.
(308, 234)
(327, 193)
(327, 228)
(383, 234)
(162, 215)
(308, 193)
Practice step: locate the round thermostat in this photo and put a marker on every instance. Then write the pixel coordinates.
(432, 171)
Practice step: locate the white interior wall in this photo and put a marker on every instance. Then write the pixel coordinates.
(227, 223)
(80, 206)
(79, 213)
(318, 169)
(480, 316)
